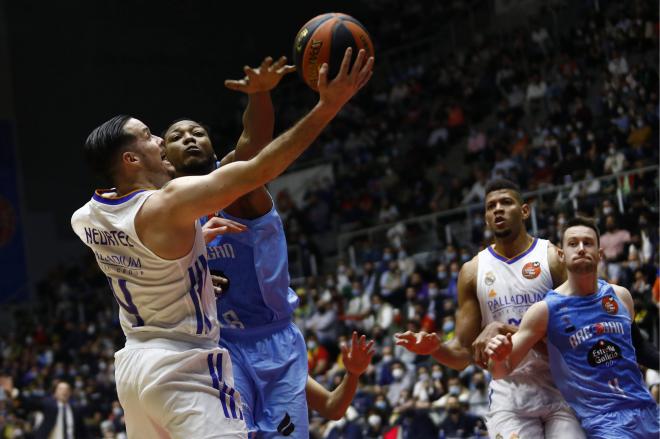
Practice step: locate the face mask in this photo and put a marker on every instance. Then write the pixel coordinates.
(633, 265)
(488, 234)
(448, 326)
(437, 374)
(454, 275)
(561, 221)
(117, 411)
(433, 293)
(311, 345)
(607, 211)
(465, 257)
(590, 137)
(453, 411)
(374, 421)
(387, 358)
(423, 376)
(442, 275)
(397, 374)
(454, 390)
(480, 385)
(381, 405)
(450, 255)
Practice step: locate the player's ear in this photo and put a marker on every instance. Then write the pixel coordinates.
(129, 158)
(526, 211)
(560, 254)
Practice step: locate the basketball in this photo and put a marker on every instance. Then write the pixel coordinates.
(324, 39)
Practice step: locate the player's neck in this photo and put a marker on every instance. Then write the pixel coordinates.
(513, 247)
(582, 284)
(128, 186)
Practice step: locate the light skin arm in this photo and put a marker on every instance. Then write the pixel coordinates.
(507, 351)
(333, 405)
(456, 353)
(173, 210)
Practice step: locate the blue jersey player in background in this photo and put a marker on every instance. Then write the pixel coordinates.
(255, 307)
(587, 323)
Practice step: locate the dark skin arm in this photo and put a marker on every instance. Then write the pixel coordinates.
(457, 353)
(258, 125)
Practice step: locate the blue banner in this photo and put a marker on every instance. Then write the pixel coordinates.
(13, 270)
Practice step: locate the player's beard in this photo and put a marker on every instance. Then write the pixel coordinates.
(197, 167)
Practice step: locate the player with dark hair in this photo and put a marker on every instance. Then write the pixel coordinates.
(587, 323)
(495, 289)
(173, 380)
(268, 351)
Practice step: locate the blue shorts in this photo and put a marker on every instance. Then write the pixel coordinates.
(637, 423)
(270, 373)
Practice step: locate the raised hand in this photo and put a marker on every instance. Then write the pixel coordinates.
(422, 343)
(499, 347)
(220, 226)
(357, 356)
(347, 83)
(263, 78)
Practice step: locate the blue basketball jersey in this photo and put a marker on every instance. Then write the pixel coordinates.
(592, 358)
(258, 299)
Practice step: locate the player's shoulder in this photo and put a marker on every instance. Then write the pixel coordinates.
(469, 270)
(622, 292)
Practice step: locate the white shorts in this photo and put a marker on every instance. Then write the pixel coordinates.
(178, 394)
(524, 408)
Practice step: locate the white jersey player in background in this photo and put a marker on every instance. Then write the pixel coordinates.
(495, 289)
(172, 378)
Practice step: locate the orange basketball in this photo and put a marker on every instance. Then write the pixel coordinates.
(324, 39)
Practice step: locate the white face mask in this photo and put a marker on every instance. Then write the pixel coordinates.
(374, 420)
(397, 373)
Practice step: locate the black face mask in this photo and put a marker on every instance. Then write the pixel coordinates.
(480, 385)
(454, 411)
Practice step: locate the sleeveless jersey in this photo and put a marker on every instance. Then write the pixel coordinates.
(591, 353)
(258, 300)
(158, 298)
(506, 288)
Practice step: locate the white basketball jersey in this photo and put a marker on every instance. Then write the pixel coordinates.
(158, 298)
(506, 288)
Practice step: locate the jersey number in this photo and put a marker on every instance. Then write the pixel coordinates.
(127, 303)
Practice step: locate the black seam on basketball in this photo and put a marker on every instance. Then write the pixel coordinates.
(312, 26)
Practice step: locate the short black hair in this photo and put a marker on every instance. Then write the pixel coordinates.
(104, 143)
(206, 127)
(581, 221)
(498, 184)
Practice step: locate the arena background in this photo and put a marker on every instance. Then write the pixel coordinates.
(562, 97)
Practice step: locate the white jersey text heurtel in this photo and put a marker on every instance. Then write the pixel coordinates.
(506, 288)
(159, 298)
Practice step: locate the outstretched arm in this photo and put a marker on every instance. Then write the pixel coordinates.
(333, 405)
(258, 124)
(507, 351)
(456, 353)
(173, 210)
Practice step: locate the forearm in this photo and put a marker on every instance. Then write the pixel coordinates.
(272, 160)
(340, 398)
(258, 125)
(453, 355)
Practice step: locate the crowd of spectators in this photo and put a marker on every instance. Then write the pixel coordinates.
(540, 108)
